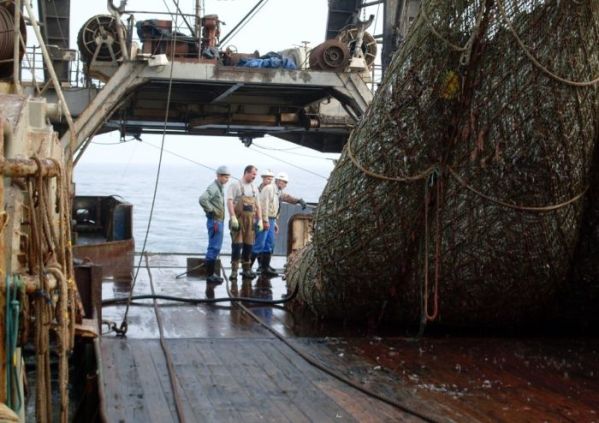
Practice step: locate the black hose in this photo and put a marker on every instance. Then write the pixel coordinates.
(400, 406)
(116, 301)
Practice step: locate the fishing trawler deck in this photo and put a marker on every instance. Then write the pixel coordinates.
(230, 367)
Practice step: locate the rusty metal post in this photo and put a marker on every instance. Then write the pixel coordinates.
(17, 39)
(55, 81)
(198, 27)
(3, 218)
(21, 168)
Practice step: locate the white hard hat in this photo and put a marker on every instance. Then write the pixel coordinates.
(282, 176)
(267, 173)
(223, 170)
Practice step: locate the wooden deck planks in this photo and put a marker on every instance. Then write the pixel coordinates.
(298, 380)
(249, 374)
(234, 379)
(156, 390)
(123, 390)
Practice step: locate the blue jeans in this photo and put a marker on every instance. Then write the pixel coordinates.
(265, 240)
(215, 238)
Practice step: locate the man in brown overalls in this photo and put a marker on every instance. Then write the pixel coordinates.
(244, 209)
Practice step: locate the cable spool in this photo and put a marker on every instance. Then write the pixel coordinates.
(98, 39)
(7, 40)
(332, 55)
(349, 37)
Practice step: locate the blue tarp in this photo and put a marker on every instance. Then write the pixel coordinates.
(270, 61)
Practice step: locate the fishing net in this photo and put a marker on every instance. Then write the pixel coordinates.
(579, 300)
(460, 195)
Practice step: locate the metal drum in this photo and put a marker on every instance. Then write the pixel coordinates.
(98, 39)
(332, 55)
(7, 40)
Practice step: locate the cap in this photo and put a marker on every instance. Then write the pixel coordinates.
(266, 173)
(282, 176)
(223, 170)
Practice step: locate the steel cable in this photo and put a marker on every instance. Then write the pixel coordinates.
(172, 374)
(321, 367)
(123, 328)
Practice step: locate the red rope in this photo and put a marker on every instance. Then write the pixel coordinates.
(435, 312)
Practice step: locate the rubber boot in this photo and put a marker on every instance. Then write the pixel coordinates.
(266, 269)
(254, 257)
(247, 270)
(234, 288)
(211, 277)
(234, 269)
(259, 257)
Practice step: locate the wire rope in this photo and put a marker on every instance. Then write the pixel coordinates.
(291, 164)
(310, 156)
(172, 374)
(123, 328)
(323, 368)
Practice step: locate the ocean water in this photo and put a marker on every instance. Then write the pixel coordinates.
(178, 222)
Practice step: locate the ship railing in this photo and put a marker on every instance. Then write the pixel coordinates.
(69, 69)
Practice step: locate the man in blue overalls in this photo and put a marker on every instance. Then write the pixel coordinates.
(264, 238)
(213, 203)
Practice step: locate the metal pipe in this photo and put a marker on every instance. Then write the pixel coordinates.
(119, 9)
(54, 78)
(19, 168)
(146, 12)
(16, 55)
(199, 27)
(372, 3)
(32, 283)
(116, 14)
(4, 125)
(193, 33)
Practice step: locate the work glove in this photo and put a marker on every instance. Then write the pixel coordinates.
(266, 225)
(234, 223)
(215, 227)
(302, 203)
(260, 227)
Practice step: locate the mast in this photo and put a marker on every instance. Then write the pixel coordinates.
(198, 26)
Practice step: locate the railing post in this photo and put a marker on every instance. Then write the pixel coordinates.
(17, 39)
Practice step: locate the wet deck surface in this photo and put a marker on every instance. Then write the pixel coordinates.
(229, 379)
(230, 368)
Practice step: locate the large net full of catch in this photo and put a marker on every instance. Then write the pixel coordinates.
(461, 195)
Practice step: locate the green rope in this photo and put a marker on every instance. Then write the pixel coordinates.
(16, 306)
(13, 311)
(7, 318)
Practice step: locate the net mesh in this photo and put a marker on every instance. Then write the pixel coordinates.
(464, 186)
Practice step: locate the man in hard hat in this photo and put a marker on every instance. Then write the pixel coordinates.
(281, 182)
(213, 203)
(244, 209)
(269, 207)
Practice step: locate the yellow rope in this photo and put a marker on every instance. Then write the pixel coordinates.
(540, 209)
(501, 7)
(417, 177)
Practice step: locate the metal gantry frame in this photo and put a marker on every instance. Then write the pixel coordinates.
(346, 89)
